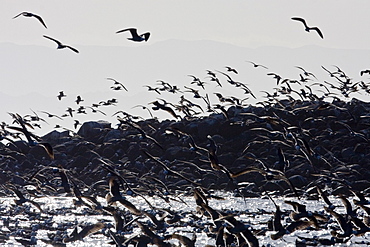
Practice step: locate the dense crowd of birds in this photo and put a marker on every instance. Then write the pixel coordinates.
(297, 142)
(306, 139)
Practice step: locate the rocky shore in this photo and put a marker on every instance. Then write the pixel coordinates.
(297, 150)
(311, 143)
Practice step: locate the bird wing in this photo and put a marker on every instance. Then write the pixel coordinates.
(18, 193)
(90, 229)
(17, 15)
(318, 31)
(123, 86)
(40, 20)
(73, 49)
(301, 20)
(146, 36)
(248, 170)
(131, 207)
(133, 31)
(36, 205)
(56, 41)
(48, 148)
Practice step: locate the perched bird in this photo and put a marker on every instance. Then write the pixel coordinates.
(28, 14)
(60, 45)
(307, 28)
(135, 36)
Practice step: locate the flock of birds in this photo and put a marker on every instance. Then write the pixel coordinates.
(290, 96)
(133, 31)
(135, 36)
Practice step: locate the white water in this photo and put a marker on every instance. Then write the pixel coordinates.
(253, 211)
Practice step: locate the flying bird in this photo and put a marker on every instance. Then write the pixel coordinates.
(135, 36)
(255, 65)
(60, 45)
(28, 14)
(86, 231)
(120, 85)
(61, 95)
(307, 28)
(229, 69)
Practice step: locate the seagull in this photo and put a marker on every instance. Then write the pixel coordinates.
(231, 69)
(28, 14)
(79, 99)
(118, 83)
(255, 65)
(60, 45)
(86, 231)
(61, 95)
(135, 36)
(307, 28)
(51, 115)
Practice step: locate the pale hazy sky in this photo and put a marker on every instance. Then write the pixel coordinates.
(345, 24)
(42, 70)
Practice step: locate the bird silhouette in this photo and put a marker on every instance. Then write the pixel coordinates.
(135, 36)
(22, 199)
(61, 95)
(120, 85)
(60, 45)
(307, 28)
(87, 230)
(255, 65)
(29, 14)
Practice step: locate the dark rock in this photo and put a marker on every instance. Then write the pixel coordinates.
(92, 131)
(56, 137)
(298, 181)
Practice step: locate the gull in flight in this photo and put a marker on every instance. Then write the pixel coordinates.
(307, 28)
(28, 14)
(135, 36)
(60, 45)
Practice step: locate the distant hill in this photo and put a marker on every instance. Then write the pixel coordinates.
(32, 76)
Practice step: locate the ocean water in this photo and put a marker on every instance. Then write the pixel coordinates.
(60, 213)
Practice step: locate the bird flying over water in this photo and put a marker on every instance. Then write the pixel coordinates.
(135, 36)
(28, 14)
(60, 45)
(307, 28)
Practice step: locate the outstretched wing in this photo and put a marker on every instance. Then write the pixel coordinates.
(318, 31)
(56, 41)
(301, 20)
(133, 31)
(40, 20)
(18, 15)
(73, 49)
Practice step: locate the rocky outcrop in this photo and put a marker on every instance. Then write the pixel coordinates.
(309, 143)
